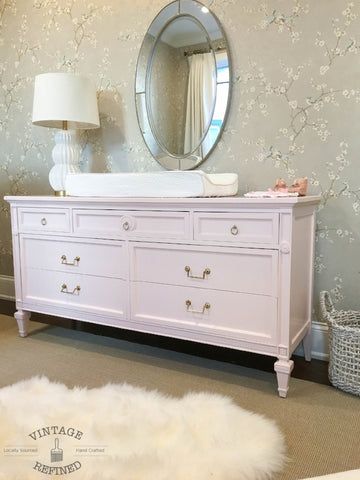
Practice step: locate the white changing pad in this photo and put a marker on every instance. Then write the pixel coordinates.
(169, 184)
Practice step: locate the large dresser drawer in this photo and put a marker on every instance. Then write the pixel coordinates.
(229, 314)
(83, 256)
(257, 228)
(106, 296)
(44, 220)
(131, 224)
(235, 269)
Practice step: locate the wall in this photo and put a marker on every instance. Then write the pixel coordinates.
(295, 108)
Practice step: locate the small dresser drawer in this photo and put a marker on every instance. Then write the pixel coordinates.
(257, 228)
(90, 257)
(132, 224)
(44, 220)
(219, 268)
(106, 296)
(226, 314)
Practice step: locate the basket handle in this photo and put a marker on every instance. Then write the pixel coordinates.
(326, 305)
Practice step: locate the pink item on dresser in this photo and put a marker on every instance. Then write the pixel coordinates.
(299, 186)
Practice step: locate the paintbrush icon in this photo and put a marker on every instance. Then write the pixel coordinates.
(56, 453)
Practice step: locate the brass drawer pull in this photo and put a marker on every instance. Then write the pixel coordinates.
(43, 221)
(126, 226)
(206, 272)
(73, 264)
(205, 307)
(64, 289)
(234, 230)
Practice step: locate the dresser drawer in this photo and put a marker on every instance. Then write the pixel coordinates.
(44, 220)
(107, 296)
(258, 228)
(131, 224)
(91, 257)
(227, 314)
(235, 269)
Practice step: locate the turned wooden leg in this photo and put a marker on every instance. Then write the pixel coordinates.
(307, 344)
(22, 319)
(283, 369)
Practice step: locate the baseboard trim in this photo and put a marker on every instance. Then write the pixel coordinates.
(319, 342)
(319, 330)
(7, 288)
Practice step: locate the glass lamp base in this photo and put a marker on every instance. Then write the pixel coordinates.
(66, 156)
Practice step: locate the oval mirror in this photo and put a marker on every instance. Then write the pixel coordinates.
(183, 85)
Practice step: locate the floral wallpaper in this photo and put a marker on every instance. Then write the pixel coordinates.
(295, 107)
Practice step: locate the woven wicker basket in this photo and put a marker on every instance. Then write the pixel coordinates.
(344, 345)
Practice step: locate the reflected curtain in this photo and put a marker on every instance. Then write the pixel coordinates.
(200, 101)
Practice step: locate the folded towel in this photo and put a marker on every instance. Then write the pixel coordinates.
(270, 194)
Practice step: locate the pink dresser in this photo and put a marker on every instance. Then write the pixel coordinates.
(233, 272)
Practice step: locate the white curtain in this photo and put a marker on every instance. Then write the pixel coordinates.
(200, 101)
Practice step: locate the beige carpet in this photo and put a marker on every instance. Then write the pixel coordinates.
(321, 424)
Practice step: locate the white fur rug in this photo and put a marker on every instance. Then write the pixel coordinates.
(119, 432)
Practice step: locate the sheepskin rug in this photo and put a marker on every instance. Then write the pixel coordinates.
(119, 432)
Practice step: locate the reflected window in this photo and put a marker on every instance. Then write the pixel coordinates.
(223, 75)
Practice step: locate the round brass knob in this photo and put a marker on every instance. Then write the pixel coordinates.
(126, 225)
(234, 230)
(43, 221)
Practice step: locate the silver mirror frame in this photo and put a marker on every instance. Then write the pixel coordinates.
(174, 10)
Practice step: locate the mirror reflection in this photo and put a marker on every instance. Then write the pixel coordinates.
(183, 99)
(182, 87)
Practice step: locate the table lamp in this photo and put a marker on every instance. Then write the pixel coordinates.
(68, 102)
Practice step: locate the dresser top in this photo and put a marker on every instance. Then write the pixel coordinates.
(206, 202)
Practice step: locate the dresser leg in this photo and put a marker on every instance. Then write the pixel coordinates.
(22, 319)
(307, 344)
(283, 369)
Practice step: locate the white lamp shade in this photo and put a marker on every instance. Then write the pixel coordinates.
(65, 97)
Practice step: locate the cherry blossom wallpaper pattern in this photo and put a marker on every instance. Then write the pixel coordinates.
(295, 107)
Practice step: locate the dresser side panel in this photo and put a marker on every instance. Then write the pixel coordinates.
(302, 266)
